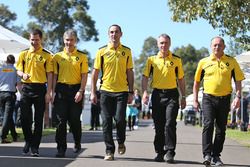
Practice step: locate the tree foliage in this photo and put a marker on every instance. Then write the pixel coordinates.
(230, 16)
(6, 16)
(233, 48)
(190, 58)
(54, 17)
(149, 48)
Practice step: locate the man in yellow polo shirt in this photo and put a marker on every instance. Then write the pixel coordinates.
(115, 62)
(35, 68)
(166, 69)
(70, 78)
(216, 71)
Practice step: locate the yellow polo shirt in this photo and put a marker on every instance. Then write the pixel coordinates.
(164, 71)
(113, 64)
(218, 74)
(70, 66)
(36, 64)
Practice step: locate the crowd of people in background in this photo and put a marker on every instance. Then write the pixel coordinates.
(40, 78)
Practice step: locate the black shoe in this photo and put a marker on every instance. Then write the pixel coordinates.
(34, 152)
(121, 149)
(207, 160)
(91, 129)
(77, 148)
(60, 153)
(159, 158)
(26, 148)
(170, 157)
(5, 141)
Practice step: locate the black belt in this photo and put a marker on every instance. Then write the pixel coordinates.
(218, 97)
(33, 83)
(7, 92)
(69, 85)
(165, 90)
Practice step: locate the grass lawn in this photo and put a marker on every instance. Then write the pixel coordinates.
(19, 131)
(239, 136)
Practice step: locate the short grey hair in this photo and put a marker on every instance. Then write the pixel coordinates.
(219, 38)
(165, 36)
(70, 32)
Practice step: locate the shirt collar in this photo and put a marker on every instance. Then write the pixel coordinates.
(32, 49)
(74, 51)
(213, 57)
(160, 55)
(111, 46)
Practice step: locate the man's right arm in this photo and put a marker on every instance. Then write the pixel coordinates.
(195, 95)
(144, 84)
(94, 79)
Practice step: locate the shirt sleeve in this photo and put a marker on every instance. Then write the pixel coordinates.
(147, 68)
(197, 76)
(54, 62)
(239, 76)
(19, 65)
(49, 64)
(130, 61)
(180, 70)
(97, 63)
(85, 66)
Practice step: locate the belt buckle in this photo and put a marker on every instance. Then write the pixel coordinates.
(164, 90)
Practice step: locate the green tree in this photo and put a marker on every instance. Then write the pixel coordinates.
(54, 17)
(230, 16)
(6, 16)
(190, 58)
(149, 48)
(233, 48)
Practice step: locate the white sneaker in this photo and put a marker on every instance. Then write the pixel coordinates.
(109, 157)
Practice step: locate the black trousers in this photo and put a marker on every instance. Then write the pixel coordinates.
(131, 121)
(165, 105)
(33, 94)
(215, 113)
(95, 114)
(113, 105)
(67, 110)
(7, 103)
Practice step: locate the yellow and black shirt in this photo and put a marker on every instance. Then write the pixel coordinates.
(36, 64)
(113, 65)
(70, 66)
(165, 71)
(217, 75)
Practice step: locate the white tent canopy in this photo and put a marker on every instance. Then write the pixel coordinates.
(244, 61)
(243, 57)
(11, 43)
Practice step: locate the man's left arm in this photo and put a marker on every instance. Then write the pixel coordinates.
(130, 78)
(236, 102)
(49, 87)
(80, 94)
(183, 94)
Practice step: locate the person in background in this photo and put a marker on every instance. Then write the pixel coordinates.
(131, 113)
(216, 71)
(8, 84)
(35, 68)
(137, 100)
(17, 111)
(166, 70)
(115, 62)
(69, 82)
(95, 113)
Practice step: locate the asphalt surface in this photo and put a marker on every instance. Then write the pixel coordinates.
(140, 151)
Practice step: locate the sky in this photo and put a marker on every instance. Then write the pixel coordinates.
(139, 19)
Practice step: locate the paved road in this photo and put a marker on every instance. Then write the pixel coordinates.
(140, 152)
